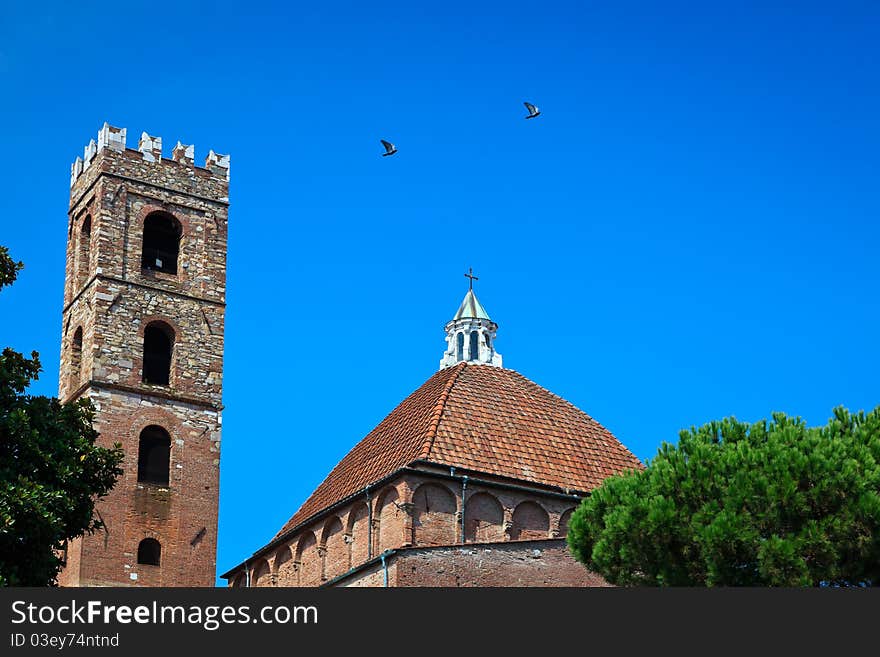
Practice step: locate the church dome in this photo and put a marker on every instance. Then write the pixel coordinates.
(482, 419)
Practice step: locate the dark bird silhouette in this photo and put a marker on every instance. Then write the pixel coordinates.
(533, 111)
(390, 149)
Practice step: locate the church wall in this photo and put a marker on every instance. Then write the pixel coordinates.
(413, 510)
(481, 511)
(308, 561)
(484, 519)
(520, 563)
(434, 515)
(529, 520)
(357, 537)
(283, 564)
(388, 519)
(372, 576)
(336, 558)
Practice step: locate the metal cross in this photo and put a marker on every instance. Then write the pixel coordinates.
(471, 276)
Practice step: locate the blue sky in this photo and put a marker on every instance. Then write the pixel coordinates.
(689, 231)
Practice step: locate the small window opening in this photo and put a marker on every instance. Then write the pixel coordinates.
(76, 346)
(460, 347)
(83, 249)
(161, 243)
(154, 455)
(158, 349)
(149, 552)
(474, 346)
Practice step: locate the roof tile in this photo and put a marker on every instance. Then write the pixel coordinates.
(485, 419)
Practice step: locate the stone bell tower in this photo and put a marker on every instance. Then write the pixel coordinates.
(142, 337)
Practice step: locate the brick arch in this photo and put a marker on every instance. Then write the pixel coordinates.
(358, 530)
(308, 565)
(530, 521)
(283, 566)
(388, 518)
(238, 581)
(564, 519)
(483, 519)
(148, 417)
(155, 415)
(75, 346)
(182, 220)
(84, 251)
(434, 508)
(159, 354)
(335, 549)
(261, 575)
(147, 210)
(166, 319)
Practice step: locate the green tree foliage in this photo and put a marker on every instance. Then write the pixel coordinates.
(732, 504)
(51, 470)
(8, 267)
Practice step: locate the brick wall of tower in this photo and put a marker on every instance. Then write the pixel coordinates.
(182, 515)
(113, 302)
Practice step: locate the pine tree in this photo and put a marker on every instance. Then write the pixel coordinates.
(732, 504)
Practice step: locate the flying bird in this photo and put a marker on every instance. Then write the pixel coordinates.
(533, 111)
(390, 149)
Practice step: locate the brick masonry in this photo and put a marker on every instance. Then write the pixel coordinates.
(108, 301)
(519, 563)
(414, 510)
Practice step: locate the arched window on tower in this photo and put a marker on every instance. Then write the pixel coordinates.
(158, 351)
(161, 243)
(83, 250)
(475, 346)
(460, 347)
(154, 455)
(149, 552)
(486, 338)
(76, 345)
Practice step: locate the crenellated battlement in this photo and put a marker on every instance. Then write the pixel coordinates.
(150, 149)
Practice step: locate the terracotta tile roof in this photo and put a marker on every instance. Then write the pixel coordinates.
(481, 418)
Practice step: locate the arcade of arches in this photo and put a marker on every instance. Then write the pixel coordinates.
(412, 511)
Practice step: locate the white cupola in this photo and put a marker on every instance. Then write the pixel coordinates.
(470, 336)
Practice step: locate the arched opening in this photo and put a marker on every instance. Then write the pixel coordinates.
(149, 552)
(564, 519)
(434, 516)
(483, 519)
(76, 345)
(530, 521)
(335, 549)
(388, 516)
(358, 534)
(474, 346)
(487, 339)
(154, 455)
(83, 250)
(158, 350)
(307, 561)
(285, 573)
(161, 243)
(261, 575)
(460, 347)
